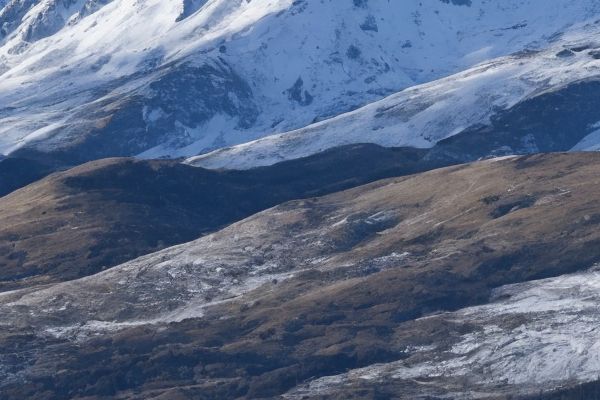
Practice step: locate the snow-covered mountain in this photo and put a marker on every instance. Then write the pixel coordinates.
(423, 115)
(86, 79)
(472, 281)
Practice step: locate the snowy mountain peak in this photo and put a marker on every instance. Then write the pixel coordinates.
(91, 79)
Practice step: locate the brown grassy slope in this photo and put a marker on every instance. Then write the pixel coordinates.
(95, 216)
(464, 230)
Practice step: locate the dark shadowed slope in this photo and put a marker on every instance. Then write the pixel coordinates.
(95, 216)
(327, 286)
(18, 172)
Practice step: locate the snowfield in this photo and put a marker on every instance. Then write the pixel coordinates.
(67, 68)
(423, 115)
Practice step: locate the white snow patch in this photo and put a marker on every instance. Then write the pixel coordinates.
(552, 338)
(589, 143)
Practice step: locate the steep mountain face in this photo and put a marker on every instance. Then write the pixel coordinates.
(27, 21)
(396, 289)
(93, 217)
(533, 101)
(85, 79)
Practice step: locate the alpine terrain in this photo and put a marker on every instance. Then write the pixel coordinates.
(299, 199)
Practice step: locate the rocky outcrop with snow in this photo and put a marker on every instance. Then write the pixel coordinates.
(87, 79)
(424, 115)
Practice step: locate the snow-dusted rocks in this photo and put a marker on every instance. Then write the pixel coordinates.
(92, 79)
(424, 115)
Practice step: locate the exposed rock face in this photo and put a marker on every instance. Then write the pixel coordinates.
(27, 21)
(159, 115)
(326, 286)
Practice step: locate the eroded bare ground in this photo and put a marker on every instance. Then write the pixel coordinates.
(376, 288)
